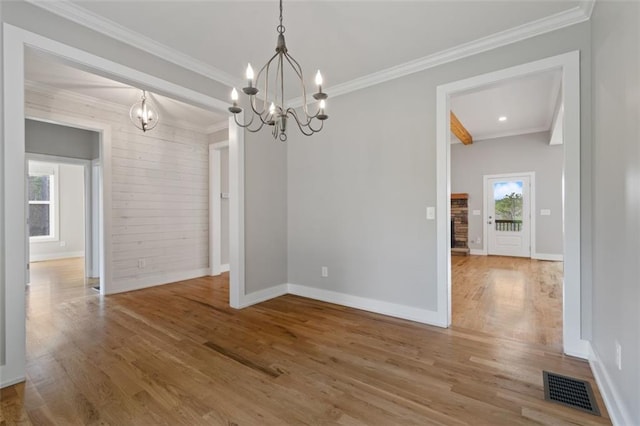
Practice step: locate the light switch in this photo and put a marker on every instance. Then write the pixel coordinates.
(475, 212)
(431, 213)
(545, 212)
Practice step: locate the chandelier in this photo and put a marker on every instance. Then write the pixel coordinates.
(272, 112)
(143, 114)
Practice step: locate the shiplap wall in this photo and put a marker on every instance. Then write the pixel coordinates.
(159, 192)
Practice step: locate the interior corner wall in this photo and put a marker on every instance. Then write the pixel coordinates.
(513, 154)
(265, 212)
(357, 191)
(616, 202)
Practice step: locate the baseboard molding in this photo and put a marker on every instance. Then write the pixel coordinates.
(371, 305)
(617, 412)
(10, 382)
(224, 268)
(55, 256)
(263, 295)
(478, 252)
(546, 256)
(154, 280)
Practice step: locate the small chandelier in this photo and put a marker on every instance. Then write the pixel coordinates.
(276, 115)
(144, 114)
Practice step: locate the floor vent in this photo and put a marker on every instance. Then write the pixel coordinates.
(570, 392)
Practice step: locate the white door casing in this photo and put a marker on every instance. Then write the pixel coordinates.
(508, 236)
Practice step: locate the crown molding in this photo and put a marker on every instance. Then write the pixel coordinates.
(545, 25)
(72, 12)
(71, 96)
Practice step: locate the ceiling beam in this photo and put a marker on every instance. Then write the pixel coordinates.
(458, 129)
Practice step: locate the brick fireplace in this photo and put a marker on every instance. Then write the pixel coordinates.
(460, 224)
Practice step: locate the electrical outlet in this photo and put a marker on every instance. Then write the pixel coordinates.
(325, 272)
(478, 240)
(142, 263)
(618, 355)
(63, 243)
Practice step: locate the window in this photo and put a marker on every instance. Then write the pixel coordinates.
(43, 208)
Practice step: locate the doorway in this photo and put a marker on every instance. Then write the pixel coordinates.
(568, 63)
(508, 214)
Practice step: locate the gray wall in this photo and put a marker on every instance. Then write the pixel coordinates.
(616, 202)
(2, 258)
(221, 136)
(265, 212)
(514, 154)
(62, 141)
(358, 190)
(71, 220)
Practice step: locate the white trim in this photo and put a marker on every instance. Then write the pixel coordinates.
(55, 256)
(155, 280)
(9, 382)
(478, 252)
(215, 208)
(15, 41)
(547, 256)
(569, 63)
(587, 7)
(100, 24)
(263, 295)
(544, 25)
(224, 267)
(371, 305)
(618, 413)
(236, 213)
(217, 127)
(532, 208)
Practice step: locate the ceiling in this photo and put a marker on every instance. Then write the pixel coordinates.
(46, 70)
(346, 39)
(528, 103)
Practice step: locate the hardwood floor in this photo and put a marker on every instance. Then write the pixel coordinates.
(177, 354)
(509, 297)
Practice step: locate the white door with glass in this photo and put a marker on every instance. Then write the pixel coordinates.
(509, 215)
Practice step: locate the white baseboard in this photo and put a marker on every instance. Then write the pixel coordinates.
(263, 295)
(478, 252)
(9, 382)
(385, 308)
(54, 256)
(546, 256)
(154, 280)
(224, 268)
(617, 412)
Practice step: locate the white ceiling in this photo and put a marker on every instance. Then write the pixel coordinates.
(46, 70)
(529, 103)
(346, 39)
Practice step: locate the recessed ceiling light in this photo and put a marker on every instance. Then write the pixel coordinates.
(502, 118)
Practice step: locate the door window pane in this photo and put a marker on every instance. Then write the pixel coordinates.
(39, 220)
(507, 197)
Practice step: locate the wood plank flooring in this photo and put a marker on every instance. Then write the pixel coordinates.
(510, 297)
(177, 354)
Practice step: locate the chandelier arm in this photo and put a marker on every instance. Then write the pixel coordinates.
(265, 68)
(247, 125)
(306, 125)
(257, 113)
(298, 69)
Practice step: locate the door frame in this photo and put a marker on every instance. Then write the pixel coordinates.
(569, 64)
(90, 216)
(532, 209)
(12, 192)
(215, 208)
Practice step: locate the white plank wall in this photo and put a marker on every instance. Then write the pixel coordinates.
(160, 192)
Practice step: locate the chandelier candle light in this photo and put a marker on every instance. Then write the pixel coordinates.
(276, 114)
(143, 114)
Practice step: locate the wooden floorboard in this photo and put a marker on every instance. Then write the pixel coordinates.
(512, 297)
(177, 354)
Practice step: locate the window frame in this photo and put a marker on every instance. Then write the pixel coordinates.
(37, 168)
